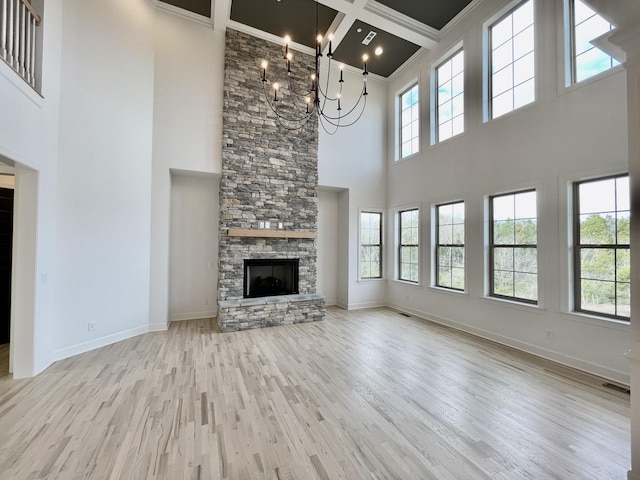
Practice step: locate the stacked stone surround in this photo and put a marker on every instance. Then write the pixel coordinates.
(270, 174)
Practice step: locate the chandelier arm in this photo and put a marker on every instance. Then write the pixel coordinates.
(350, 111)
(303, 118)
(329, 119)
(292, 90)
(295, 104)
(325, 128)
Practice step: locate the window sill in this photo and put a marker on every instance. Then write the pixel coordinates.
(564, 89)
(449, 291)
(409, 284)
(515, 304)
(372, 280)
(595, 320)
(404, 159)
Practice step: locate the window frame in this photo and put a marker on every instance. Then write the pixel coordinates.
(577, 247)
(570, 49)
(400, 246)
(438, 245)
(380, 245)
(435, 97)
(488, 64)
(403, 92)
(492, 247)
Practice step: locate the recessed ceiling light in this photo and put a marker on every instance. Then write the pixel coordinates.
(359, 30)
(378, 51)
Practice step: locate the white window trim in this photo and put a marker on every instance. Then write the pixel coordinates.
(433, 92)
(567, 276)
(434, 242)
(486, 61)
(565, 57)
(396, 243)
(382, 246)
(541, 193)
(397, 146)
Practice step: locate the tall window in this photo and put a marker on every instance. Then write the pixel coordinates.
(586, 26)
(513, 60)
(450, 246)
(408, 254)
(370, 245)
(450, 93)
(602, 257)
(409, 122)
(514, 255)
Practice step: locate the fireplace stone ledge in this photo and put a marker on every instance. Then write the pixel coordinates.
(248, 313)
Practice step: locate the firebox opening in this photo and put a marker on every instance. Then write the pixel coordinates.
(269, 277)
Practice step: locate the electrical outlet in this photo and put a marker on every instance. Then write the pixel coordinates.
(91, 326)
(549, 335)
(205, 301)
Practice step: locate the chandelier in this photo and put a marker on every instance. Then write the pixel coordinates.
(303, 105)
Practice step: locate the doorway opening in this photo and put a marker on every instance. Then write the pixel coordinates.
(7, 185)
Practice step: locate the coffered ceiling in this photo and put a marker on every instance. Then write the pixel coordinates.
(400, 27)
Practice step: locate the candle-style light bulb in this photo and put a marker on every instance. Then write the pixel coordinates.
(289, 57)
(276, 86)
(365, 57)
(338, 96)
(264, 65)
(308, 101)
(341, 70)
(287, 41)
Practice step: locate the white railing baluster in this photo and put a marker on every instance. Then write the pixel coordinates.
(19, 48)
(3, 29)
(10, 21)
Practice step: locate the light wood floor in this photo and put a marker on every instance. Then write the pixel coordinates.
(363, 395)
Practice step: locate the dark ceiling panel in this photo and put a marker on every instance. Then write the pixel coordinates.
(396, 51)
(435, 13)
(201, 7)
(296, 18)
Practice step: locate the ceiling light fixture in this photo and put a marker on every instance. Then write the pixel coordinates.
(302, 106)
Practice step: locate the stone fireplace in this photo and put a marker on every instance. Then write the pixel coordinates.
(269, 179)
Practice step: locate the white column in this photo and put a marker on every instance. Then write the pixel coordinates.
(3, 29)
(628, 38)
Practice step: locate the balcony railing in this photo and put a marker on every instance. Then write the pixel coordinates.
(19, 24)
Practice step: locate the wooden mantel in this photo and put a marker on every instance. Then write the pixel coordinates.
(265, 233)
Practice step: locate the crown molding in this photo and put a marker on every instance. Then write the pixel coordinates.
(400, 25)
(461, 16)
(179, 12)
(269, 37)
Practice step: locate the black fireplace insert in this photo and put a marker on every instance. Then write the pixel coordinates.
(269, 277)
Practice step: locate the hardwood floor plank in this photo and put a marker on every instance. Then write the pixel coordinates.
(363, 395)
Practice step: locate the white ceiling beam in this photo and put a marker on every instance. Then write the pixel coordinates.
(221, 13)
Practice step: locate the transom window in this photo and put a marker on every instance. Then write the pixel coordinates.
(450, 93)
(587, 25)
(408, 249)
(602, 256)
(514, 254)
(370, 245)
(409, 122)
(450, 246)
(512, 82)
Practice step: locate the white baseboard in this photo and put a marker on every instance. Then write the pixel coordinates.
(566, 360)
(361, 305)
(99, 342)
(158, 327)
(178, 317)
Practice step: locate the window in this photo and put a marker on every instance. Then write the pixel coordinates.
(602, 257)
(408, 254)
(514, 256)
(450, 93)
(450, 246)
(409, 122)
(512, 81)
(586, 25)
(370, 245)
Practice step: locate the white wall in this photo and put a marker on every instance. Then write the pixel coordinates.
(187, 129)
(354, 159)
(29, 142)
(564, 136)
(328, 245)
(104, 173)
(194, 247)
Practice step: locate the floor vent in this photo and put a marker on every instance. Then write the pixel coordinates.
(617, 388)
(405, 314)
